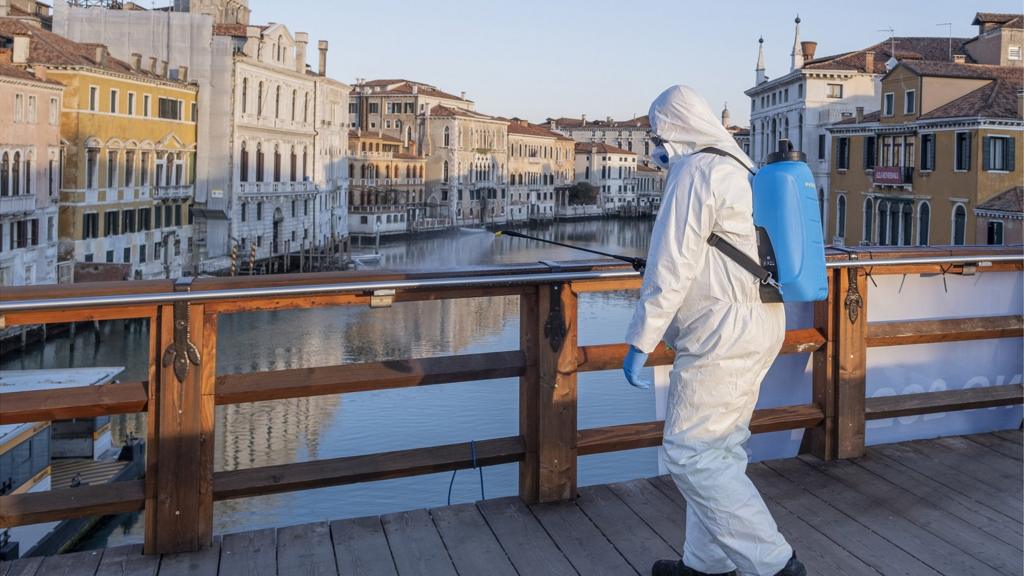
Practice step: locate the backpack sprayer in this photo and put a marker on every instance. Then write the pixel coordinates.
(638, 263)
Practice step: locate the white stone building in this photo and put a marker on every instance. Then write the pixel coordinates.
(632, 135)
(818, 91)
(612, 171)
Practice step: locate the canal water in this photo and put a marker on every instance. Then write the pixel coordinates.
(302, 429)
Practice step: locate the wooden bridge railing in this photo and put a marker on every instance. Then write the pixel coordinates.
(183, 388)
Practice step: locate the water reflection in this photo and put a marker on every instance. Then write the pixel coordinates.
(301, 429)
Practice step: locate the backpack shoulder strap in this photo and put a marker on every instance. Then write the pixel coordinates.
(720, 152)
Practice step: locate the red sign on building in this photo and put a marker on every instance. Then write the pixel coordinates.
(888, 175)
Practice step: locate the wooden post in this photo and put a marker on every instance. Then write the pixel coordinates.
(556, 402)
(850, 332)
(820, 440)
(529, 392)
(179, 451)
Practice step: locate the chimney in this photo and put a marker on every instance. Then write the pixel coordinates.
(100, 57)
(462, 95)
(860, 114)
(584, 117)
(415, 89)
(608, 119)
(152, 65)
(959, 59)
(322, 46)
(869, 61)
(301, 40)
(164, 69)
(21, 48)
(136, 61)
(808, 47)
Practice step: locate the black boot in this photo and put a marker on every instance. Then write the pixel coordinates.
(677, 568)
(793, 568)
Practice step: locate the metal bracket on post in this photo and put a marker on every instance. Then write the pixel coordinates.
(853, 301)
(382, 298)
(181, 351)
(555, 328)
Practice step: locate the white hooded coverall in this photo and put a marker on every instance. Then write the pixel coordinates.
(707, 308)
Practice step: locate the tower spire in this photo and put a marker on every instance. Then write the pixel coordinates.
(797, 55)
(759, 70)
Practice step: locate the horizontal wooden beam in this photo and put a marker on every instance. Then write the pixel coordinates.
(901, 332)
(945, 401)
(370, 467)
(299, 382)
(648, 434)
(78, 315)
(610, 356)
(76, 402)
(53, 505)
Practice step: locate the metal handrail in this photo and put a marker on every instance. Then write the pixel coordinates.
(463, 282)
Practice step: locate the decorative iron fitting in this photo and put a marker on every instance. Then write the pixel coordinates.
(555, 328)
(181, 351)
(853, 302)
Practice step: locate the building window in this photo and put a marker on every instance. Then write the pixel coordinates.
(277, 163)
(110, 223)
(169, 109)
(834, 90)
(841, 216)
(928, 152)
(888, 104)
(144, 169)
(293, 165)
(54, 111)
(129, 168)
(959, 224)
(374, 107)
(131, 103)
(145, 219)
(245, 95)
(870, 145)
(869, 214)
(999, 153)
(259, 162)
(90, 225)
(924, 217)
(112, 169)
(94, 97)
(259, 210)
(995, 232)
(843, 154)
(113, 101)
(259, 100)
(295, 95)
(243, 164)
(444, 172)
(5, 177)
(962, 160)
(245, 211)
(128, 221)
(910, 102)
(822, 146)
(447, 137)
(277, 102)
(145, 105)
(1013, 53)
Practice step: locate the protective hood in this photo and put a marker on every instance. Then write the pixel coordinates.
(684, 120)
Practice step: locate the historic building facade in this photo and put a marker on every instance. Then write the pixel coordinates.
(394, 107)
(632, 135)
(541, 165)
(29, 175)
(387, 191)
(612, 171)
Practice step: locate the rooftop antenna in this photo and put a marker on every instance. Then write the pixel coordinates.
(892, 40)
(949, 27)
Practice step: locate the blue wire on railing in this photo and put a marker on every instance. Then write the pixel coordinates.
(472, 449)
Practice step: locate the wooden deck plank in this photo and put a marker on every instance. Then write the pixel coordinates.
(128, 561)
(1015, 436)
(1005, 466)
(954, 476)
(525, 542)
(638, 543)
(659, 512)
(202, 563)
(252, 553)
(470, 542)
(958, 533)
(993, 523)
(74, 564)
(868, 547)
(976, 465)
(361, 548)
(818, 553)
(1001, 445)
(579, 540)
(415, 544)
(918, 542)
(21, 566)
(306, 549)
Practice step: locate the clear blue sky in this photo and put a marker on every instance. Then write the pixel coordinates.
(540, 58)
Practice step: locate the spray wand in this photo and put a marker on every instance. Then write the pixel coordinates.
(638, 263)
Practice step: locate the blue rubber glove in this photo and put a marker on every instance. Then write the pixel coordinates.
(635, 360)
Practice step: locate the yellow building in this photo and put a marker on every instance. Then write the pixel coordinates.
(942, 145)
(128, 134)
(386, 187)
(541, 164)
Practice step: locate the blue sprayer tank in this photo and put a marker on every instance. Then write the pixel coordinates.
(786, 205)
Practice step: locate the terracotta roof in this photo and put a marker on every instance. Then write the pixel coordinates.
(375, 136)
(236, 30)
(869, 117)
(517, 126)
(1006, 20)
(946, 69)
(644, 168)
(405, 87)
(638, 122)
(738, 131)
(1011, 200)
(600, 147)
(21, 73)
(47, 48)
(997, 99)
(907, 48)
(440, 111)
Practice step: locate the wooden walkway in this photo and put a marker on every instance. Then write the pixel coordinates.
(950, 506)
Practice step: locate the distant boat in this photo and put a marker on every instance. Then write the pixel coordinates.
(472, 230)
(367, 259)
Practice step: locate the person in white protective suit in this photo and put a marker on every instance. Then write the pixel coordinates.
(708, 309)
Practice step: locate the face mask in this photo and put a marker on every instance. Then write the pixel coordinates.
(660, 157)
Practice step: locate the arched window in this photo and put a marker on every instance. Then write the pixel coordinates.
(305, 153)
(959, 225)
(277, 163)
(841, 216)
(924, 217)
(444, 173)
(259, 162)
(16, 175)
(883, 222)
(447, 137)
(293, 165)
(305, 108)
(243, 164)
(245, 95)
(362, 171)
(869, 215)
(28, 176)
(295, 95)
(259, 100)
(5, 176)
(277, 102)
(387, 171)
(280, 48)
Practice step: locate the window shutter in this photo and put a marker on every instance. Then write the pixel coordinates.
(986, 151)
(967, 151)
(865, 161)
(1011, 154)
